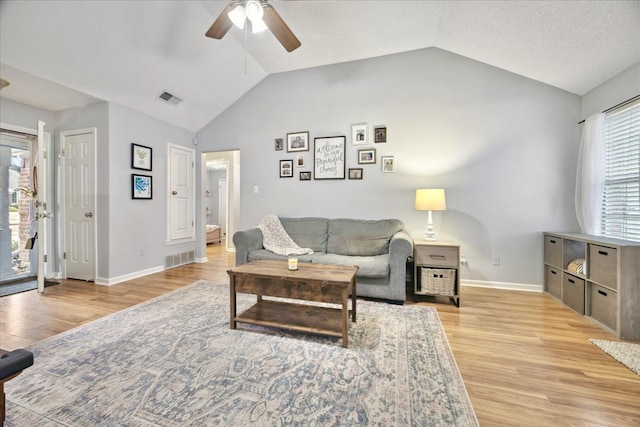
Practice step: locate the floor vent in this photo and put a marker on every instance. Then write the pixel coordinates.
(170, 99)
(177, 260)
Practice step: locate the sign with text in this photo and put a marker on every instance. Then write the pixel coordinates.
(329, 162)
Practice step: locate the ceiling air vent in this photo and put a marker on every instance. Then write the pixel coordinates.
(170, 99)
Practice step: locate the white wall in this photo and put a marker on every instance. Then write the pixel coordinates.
(504, 147)
(135, 224)
(24, 116)
(618, 89)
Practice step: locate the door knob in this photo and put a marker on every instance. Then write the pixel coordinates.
(88, 214)
(174, 192)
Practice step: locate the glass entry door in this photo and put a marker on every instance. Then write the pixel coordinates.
(18, 256)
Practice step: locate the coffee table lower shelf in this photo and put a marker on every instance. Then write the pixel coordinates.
(296, 317)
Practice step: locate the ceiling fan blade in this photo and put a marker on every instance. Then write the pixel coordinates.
(280, 29)
(222, 24)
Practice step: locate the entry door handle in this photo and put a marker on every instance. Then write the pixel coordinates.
(88, 214)
(174, 192)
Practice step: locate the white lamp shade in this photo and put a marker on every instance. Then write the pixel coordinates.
(238, 16)
(430, 199)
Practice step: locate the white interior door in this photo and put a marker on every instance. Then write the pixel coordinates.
(38, 178)
(78, 153)
(181, 209)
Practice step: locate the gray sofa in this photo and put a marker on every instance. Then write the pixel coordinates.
(379, 248)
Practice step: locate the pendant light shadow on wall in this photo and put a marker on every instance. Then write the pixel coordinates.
(430, 199)
(261, 15)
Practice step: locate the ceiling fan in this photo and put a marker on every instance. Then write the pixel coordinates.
(261, 15)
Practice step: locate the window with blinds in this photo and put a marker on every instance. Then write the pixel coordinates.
(621, 198)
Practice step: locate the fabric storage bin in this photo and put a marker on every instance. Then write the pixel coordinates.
(437, 281)
(603, 305)
(553, 251)
(573, 292)
(603, 262)
(553, 281)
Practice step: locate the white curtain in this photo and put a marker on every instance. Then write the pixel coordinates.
(590, 177)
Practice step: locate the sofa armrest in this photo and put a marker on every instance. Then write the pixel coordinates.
(246, 241)
(400, 248)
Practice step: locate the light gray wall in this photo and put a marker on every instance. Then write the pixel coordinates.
(504, 147)
(136, 224)
(213, 178)
(25, 116)
(618, 89)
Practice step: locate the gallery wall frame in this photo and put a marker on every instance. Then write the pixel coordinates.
(278, 144)
(379, 134)
(141, 186)
(329, 157)
(359, 134)
(355, 173)
(367, 156)
(141, 157)
(286, 168)
(305, 176)
(297, 141)
(387, 163)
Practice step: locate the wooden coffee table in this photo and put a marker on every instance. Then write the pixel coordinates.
(311, 282)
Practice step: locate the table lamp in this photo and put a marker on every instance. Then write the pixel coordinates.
(430, 199)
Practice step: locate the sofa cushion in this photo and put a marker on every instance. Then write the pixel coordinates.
(361, 237)
(308, 232)
(368, 266)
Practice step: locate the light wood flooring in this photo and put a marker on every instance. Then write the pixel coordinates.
(524, 357)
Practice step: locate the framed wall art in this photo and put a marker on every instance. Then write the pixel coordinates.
(286, 168)
(141, 157)
(367, 156)
(355, 173)
(298, 141)
(305, 176)
(300, 161)
(359, 134)
(278, 144)
(387, 164)
(380, 134)
(141, 186)
(328, 158)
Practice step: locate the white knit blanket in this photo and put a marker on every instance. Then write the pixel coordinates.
(276, 239)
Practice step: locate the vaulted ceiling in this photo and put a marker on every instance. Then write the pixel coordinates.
(62, 54)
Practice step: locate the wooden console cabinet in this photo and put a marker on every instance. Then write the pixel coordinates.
(608, 290)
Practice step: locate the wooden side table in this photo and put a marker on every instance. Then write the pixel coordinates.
(437, 269)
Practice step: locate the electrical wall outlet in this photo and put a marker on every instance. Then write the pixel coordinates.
(495, 260)
(256, 190)
(463, 259)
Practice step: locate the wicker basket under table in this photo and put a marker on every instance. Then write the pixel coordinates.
(438, 281)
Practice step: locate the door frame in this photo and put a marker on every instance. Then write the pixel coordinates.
(45, 179)
(62, 199)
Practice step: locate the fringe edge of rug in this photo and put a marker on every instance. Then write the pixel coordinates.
(627, 353)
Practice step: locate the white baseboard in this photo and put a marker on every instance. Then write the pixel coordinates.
(125, 277)
(201, 260)
(525, 287)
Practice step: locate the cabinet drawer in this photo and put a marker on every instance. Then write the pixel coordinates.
(602, 265)
(604, 305)
(437, 256)
(553, 251)
(553, 281)
(573, 292)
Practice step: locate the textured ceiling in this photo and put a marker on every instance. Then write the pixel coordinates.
(128, 52)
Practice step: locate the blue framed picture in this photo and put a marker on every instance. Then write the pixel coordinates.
(141, 186)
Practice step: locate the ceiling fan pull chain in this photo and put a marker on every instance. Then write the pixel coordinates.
(246, 28)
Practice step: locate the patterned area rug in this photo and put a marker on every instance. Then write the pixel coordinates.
(173, 361)
(627, 353)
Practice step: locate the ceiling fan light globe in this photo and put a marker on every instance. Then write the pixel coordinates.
(253, 10)
(257, 26)
(238, 16)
